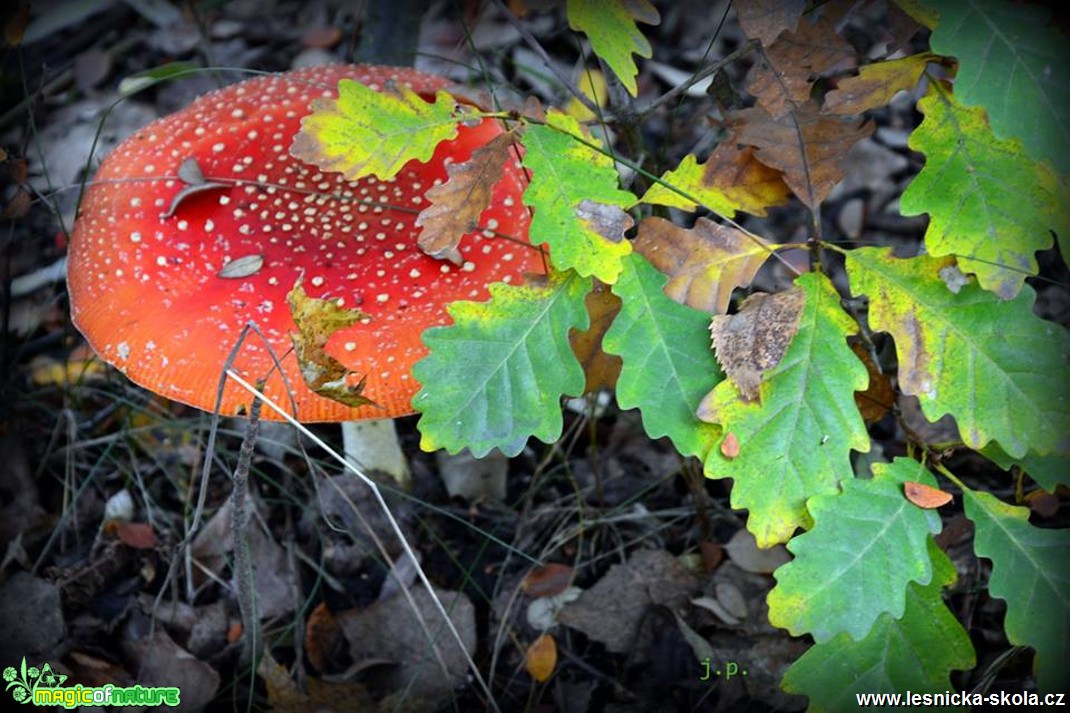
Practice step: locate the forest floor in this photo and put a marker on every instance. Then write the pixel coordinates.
(657, 588)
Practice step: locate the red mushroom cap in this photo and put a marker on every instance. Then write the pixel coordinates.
(145, 281)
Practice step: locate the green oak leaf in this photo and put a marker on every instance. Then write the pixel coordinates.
(989, 204)
(667, 365)
(795, 442)
(992, 364)
(610, 26)
(578, 207)
(496, 376)
(366, 132)
(1015, 65)
(1031, 572)
(867, 544)
(1048, 471)
(916, 652)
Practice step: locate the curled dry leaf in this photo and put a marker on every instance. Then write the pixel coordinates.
(323, 637)
(925, 496)
(705, 263)
(457, 204)
(754, 340)
(541, 658)
(1043, 503)
(316, 321)
(712, 555)
(195, 183)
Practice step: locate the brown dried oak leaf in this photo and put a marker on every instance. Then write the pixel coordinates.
(876, 84)
(804, 145)
(705, 263)
(782, 77)
(766, 19)
(457, 204)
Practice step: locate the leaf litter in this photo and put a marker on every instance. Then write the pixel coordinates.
(348, 572)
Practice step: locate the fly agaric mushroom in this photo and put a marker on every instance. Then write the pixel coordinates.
(203, 222)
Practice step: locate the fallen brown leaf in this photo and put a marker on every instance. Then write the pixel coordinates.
(876, 84)
(804, 144)
(548, 580)
(767, 19)
(784, 74)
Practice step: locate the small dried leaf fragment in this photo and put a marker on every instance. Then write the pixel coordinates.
(323, 637)
(782, 77)
(730, 180)
(754, 340)
(245, 266)
(457, 204)
(877, 400)
(925, 496)
(548, 580)
(705, 263)
(876, 84)
(285, 697)
(541, 658)
(730, 446)
(767, 19)
(137, 535)
(805, 145)
(317, 320)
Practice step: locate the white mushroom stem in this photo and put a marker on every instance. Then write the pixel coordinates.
(373, 445)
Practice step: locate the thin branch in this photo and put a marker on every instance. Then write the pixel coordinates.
(707, 71)
(534, 44)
